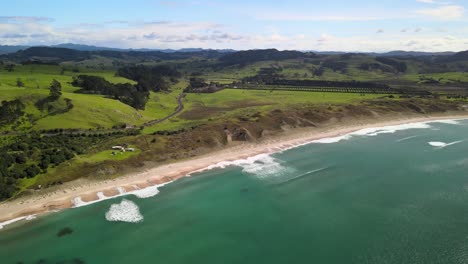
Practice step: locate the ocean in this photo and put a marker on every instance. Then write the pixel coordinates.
(385, 195)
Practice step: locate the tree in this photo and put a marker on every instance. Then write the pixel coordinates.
(10, 67)
(32, 171)
(55, 90)
(19, 83)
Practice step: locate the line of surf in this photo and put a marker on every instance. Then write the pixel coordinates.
(143, 193)
(5, 223)
(375, 131)
(372, 131)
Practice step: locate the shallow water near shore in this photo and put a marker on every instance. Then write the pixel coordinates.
(377, 196)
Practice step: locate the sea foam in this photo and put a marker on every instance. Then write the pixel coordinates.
(261, 166)
(449, 121)
(374, 131)
(146, 192)
(28, 218)
(140, 193)
(125, 211)
(438, 144)
(331, 139)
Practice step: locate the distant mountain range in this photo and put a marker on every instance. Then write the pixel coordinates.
(57, 55)
(5, 49)
(396, 53)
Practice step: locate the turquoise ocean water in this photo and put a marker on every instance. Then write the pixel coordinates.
(394, 195)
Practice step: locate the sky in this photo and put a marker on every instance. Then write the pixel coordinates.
(325, 25)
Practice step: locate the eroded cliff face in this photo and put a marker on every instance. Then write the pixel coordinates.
(256, 126)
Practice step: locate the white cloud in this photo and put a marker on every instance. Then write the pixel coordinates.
(176, 35)
(284, 16)
(434, 2)
(448, 12)
(426, 1)
(24, 19)
(324, 38)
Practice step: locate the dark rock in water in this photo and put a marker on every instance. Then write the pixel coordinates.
(244, 190)
(65, 231)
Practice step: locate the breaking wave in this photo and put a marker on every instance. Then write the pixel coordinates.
(450, 121)
(374, 131)
(438, 144)
(261, 166)
(27, 218)
(331, 139)
(125, 211)
(140, 193)
(146, 192)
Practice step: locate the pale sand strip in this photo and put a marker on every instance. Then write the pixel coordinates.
(61, 197)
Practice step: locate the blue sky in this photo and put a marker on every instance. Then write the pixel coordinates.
(364, 25)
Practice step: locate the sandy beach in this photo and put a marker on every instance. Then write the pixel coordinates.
(88, 191)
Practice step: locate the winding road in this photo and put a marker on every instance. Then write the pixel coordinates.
(179, 109)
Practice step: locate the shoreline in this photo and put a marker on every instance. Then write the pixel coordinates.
(82, 192)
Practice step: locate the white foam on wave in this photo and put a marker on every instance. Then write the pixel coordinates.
(438, 144)
(101, 195)
(146, 192)
(138, 192)
(374, 131)
(331, 139)
(78, 201)
(125, 211)
(262, 166)
(28, 218)
(449, 121)
(121, 190)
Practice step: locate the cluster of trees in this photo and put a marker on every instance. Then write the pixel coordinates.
(10, 111)
(196, 83)
(55, 90)
(155, 78)
(34, 154)
(148, 79)
(199, 85)
(265, 75)
(9, 67)
(133, 95)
